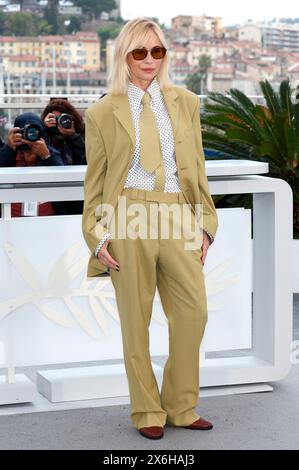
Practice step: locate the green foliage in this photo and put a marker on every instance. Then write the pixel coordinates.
(204, 63)
(21, 24)
(108, 32)
(51, 15)
(2, 23)
(193, 83)
(27, 24)
(94, 9)
(239, 128)
(197, 81)
(75, 24)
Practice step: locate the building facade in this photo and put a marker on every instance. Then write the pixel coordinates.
(273, 36)
(81, 49)
(194, 26)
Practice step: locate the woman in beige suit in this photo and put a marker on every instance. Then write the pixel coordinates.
(145, 156)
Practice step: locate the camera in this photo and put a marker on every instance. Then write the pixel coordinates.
(64, 120)
(31, 132)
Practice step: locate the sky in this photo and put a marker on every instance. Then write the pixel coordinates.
(231, 11)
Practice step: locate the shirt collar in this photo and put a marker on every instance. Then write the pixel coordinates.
(154, 91)
(137, 93)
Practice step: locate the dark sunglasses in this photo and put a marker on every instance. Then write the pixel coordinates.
(157, 52)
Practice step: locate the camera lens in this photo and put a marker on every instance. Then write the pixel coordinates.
(65, 121)
(31, 133)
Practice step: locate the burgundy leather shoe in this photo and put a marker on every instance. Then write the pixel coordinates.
(152, 432)
(200, 424)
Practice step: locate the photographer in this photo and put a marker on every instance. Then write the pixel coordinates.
(19, 151)
(65, 130)
(27, 146)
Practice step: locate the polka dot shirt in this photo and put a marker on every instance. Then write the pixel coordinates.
(138, 177)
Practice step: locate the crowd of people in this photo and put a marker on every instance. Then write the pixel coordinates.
(55, 138)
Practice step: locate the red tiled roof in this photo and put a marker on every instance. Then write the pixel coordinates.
(222, 70)
(88, 37)
(179, 49)
(23, 58)
(77, 75)
(5, 39)
(211, 44)
(63, 65)
(294, 69)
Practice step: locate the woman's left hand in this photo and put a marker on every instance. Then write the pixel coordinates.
(39, 147)
(205, 246)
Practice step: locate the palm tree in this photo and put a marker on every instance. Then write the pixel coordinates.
(238, 128)
(204, 64)
(197, 81)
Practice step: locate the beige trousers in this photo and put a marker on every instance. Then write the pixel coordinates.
(165, 263)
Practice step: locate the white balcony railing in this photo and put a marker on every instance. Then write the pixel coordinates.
(11, 105)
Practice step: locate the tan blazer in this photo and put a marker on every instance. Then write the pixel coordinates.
(110, 143)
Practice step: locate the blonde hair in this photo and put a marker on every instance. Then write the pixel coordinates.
(133, 36)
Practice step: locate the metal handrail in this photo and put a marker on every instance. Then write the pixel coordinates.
(7, 101)
(11, 102)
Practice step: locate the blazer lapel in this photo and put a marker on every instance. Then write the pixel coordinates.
(170, 97)
(122, 112)
(121, 109)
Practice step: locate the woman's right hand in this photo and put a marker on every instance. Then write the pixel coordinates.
(105, 258)
(14, 138)
(50, 120)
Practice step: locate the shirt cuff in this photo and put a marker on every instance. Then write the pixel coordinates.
(99, 246)
(209, 235)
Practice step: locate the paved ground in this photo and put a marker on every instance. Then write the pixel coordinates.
(251, 421)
